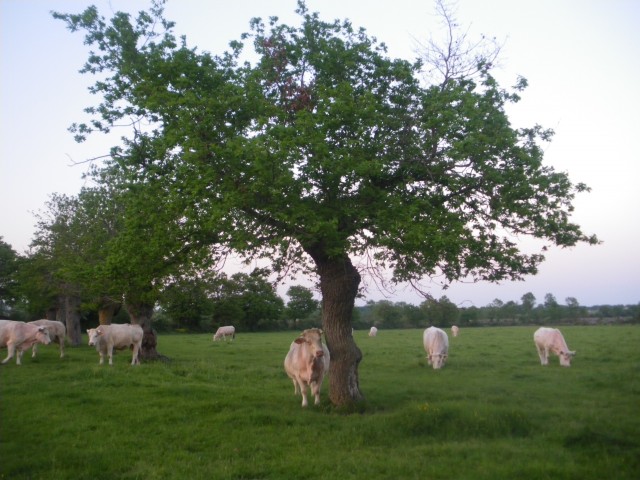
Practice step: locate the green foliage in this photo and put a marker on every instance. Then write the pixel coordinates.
(9, 268)
(228, 411)
(248, 301)
(441, 313)
(326, 147)
(301, 303)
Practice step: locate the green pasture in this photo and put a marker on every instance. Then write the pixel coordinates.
(227, 411)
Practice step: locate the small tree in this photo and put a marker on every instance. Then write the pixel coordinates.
(301, 304)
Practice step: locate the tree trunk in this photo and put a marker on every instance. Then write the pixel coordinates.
(107, 309)
(72, 319)
(141, 314)
(339, 281)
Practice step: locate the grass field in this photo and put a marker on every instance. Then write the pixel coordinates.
(227, 411)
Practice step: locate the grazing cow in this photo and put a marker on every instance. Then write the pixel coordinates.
(57, 332)
(20, 336)
(307, 362)
(551, 340)
(455, 330)
(107, 337)
(436, 344)
(373, 332)
(222, 332)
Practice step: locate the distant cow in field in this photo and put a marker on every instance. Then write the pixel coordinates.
(551, 340)
(373, 332)
(436, 344)
(118, 336)
(57, 333)
(307, 363)
(454, 331)
(223, 332)
(21, 336)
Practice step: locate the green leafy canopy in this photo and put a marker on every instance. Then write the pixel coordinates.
(322, 147)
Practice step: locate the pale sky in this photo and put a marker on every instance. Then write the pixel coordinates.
(581, 58)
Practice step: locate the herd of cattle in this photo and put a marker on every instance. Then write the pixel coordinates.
(306, 363)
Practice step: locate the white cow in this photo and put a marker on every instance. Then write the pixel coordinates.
(222, 332)
(551, 340)
(57, 332)
(118, 336)
(454, 331)
(436, 344)
(307, 363)
(20, 336)
(373, 331)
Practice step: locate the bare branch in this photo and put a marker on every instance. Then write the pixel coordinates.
(456, 57)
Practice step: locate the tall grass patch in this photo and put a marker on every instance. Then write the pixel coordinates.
(227, 410)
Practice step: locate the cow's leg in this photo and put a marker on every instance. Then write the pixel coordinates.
(541, 354)
(101, 352)
(303, 391)
(110, 353)
(296, 388)
(545, 356)
(19, 356)
(134, 358)
(34, 350)
(11, 351)
(62, 347)
(315, 389)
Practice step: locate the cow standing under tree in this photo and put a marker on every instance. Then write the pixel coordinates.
(106, 338)
(307, 363)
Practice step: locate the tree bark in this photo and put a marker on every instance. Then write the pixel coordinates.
(107, 309)
(339, 281)
(141, 315)
(69, 314)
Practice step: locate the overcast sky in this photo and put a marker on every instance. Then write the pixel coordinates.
(581, 58)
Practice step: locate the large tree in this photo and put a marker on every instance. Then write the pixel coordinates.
(324, 150)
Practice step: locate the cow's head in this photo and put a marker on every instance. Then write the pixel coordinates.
(438, 360)
(94, 334)
(565, 358)
(43, 336)
(312, 340)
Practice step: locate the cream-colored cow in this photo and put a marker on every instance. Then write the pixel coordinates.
(307, 363)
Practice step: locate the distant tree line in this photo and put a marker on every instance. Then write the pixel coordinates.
(444, 313)
(203, 302)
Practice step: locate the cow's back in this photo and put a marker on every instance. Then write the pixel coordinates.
(56, 329)
(548, 338)
(435, 340)
(122, 335)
